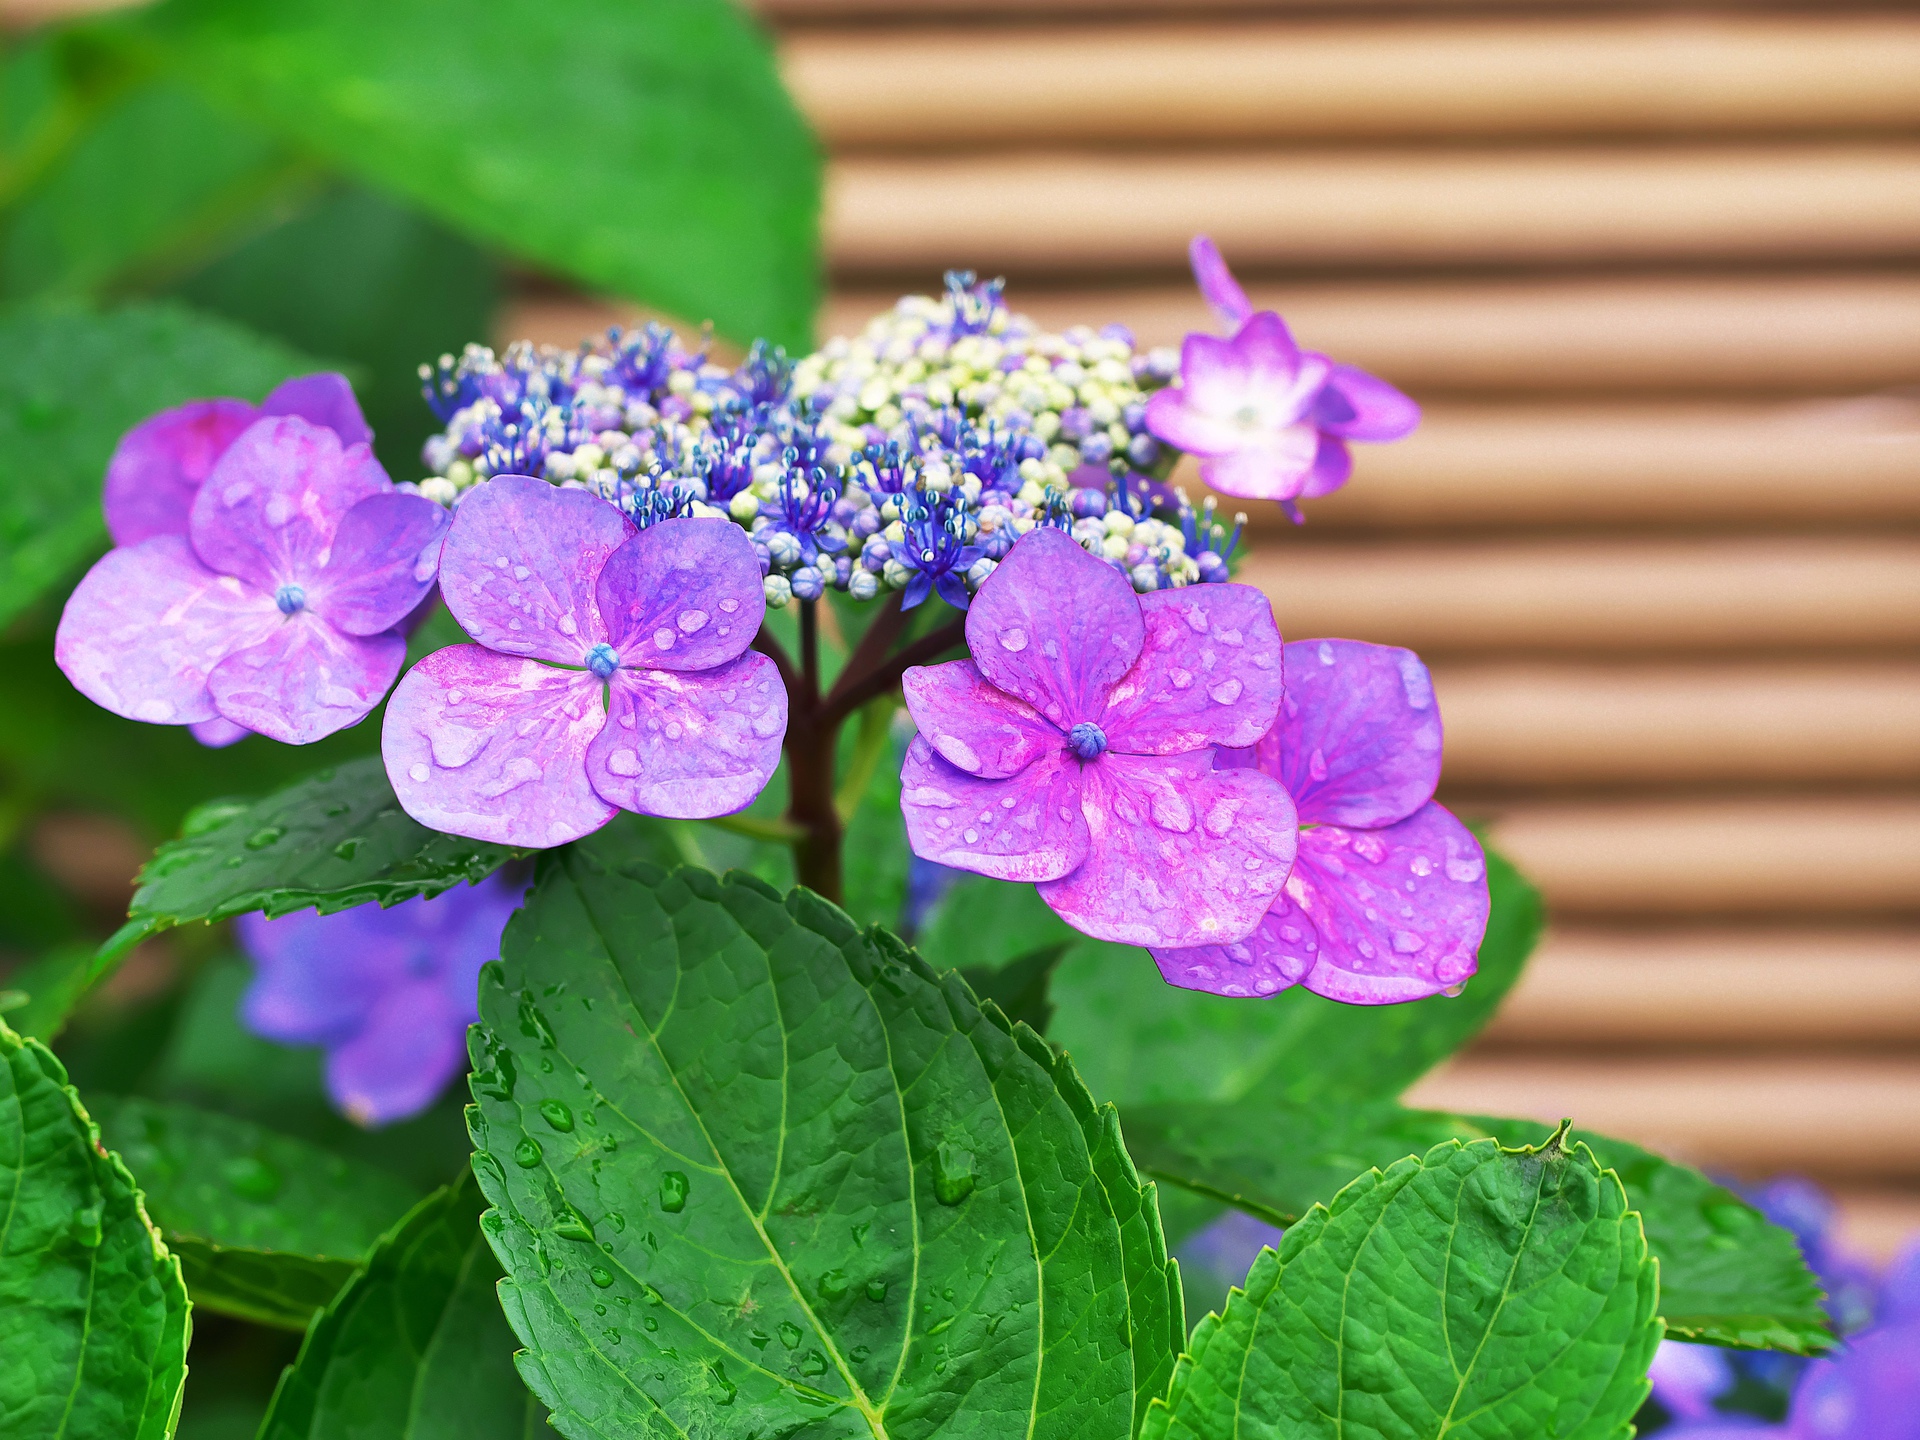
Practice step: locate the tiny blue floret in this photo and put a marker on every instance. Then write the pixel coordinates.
(290, 598)
(1088, 740)
(603, 660)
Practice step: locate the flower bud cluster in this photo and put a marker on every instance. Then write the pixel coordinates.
(987, 428)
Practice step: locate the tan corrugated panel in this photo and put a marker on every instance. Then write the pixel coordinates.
(1249, 79)
(1756, 1114)
(1758, 856)
(1632, 596)
(1541, 724)
(1716, 986)
(1060, 212)
(1878, 1224)
(1787, 332)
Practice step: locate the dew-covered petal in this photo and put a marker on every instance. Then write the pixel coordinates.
(148, 623)
(1209, 673)
(1870, 1390)
(1178, 853)
(218, 733)
(1264, 963)
(1358, 740)
(1055, 627)
(1217, 285)
(410, 1046)
(304, 680)
(519, 566)
(495, 748)
(1277, 467)
(1387, 915)
(384, 560)
(272, 503)
(1027, 827)
(682, 595)
(1363, 407)
(690, 744)
(321, 399)
(158, 466)
(976, 725)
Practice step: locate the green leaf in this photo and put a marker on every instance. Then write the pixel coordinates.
(1475, 1292)
(1727, 1276)
(156, 177)
(1137, 1039)
(415, 1348)
(71, 383)
(983, 924)
(267, 1227)
(1021, 988)
(333, 841)
(811, 1183)
(644, 149)
(93, 1315)
(49, 988)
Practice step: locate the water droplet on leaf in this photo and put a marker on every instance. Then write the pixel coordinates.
(557, 1115)
(600, 1276)
(952, 1173)
(673, 1192)
(527, 1153)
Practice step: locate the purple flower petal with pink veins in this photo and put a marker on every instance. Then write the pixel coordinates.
(1388, 898)
(1075, 749)
(276, 612)
(1268, 420)
(662, 709)
(159, 464)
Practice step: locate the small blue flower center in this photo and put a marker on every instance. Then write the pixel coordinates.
(290, 598)
(1088, 740)
(603, 660)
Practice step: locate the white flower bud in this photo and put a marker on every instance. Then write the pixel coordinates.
(439, 489)
(896, 575)
(778, 591)
(743, 507)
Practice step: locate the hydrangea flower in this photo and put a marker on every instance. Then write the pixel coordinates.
(611, 671)
(1075, 749)
(1271, 421)
(1388, 896)
(388, 993)
(278, 609)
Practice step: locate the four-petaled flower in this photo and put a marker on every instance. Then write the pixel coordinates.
(388, 993)
(488, 741)
(1388, 896)
(158, 466)
(1269, 420)
(1075, 749)
(278, 608)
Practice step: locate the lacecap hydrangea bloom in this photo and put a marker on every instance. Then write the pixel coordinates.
(387, 993)
(1075, 749)
(1387, 900)
(276, 608)
(1269, 420)
(611, 670)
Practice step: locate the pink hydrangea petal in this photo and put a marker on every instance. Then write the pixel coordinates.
(1277, 468)
(411, 1045)
(304, 679)
(976, 725)
(1055, 627)
(158, 465)
(148, 623)
(383, 562)
(1217, 285)
(1358, 740)
(1179, 853)
(495, 748)
(1172, 416)
(682, 595)
(1388, 915)
(1332, 467)
(1269, 960)
(218, 733)
(324, 399)
(1027, 827)
(1209, 673)
(1375, 409)
(519, 566)
(690, 744)
(1266, 347)
(272, 503)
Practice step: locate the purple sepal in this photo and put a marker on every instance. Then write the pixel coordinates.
(218, 733)
(1217, 285)
(1373, 409)
(159, 464)
(976, 726)
(304, 680)
(324, 399)
(690, 744)
(1359, 740)
(1028, 827)
(1209, 673)
(682, 597)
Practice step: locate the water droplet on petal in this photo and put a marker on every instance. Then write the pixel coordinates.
(1317, 764)
(1226, 692)
(1405, 942)
(691, 620)
(1464, 869)
(1014, 639)
(418, 772)
(1326, 653)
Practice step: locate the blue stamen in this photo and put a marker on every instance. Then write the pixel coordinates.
(1087, 740)
(603, 660)
(290, 598)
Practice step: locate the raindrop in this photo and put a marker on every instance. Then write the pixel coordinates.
(858, 1354)
(570, 1224)
(814, 1364)
(557, 1115)
(1014, 639)
(876, 1289)
(1464, 869)
(347, 848)
(602, 1277)
(265, 836)
(649, 1324)
(527, 1153)
(952, 1173)
(789, 1334)
(617, 1221)
(833, 1284)
(725, 1386)
(673, 1192)
(1226, 692)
